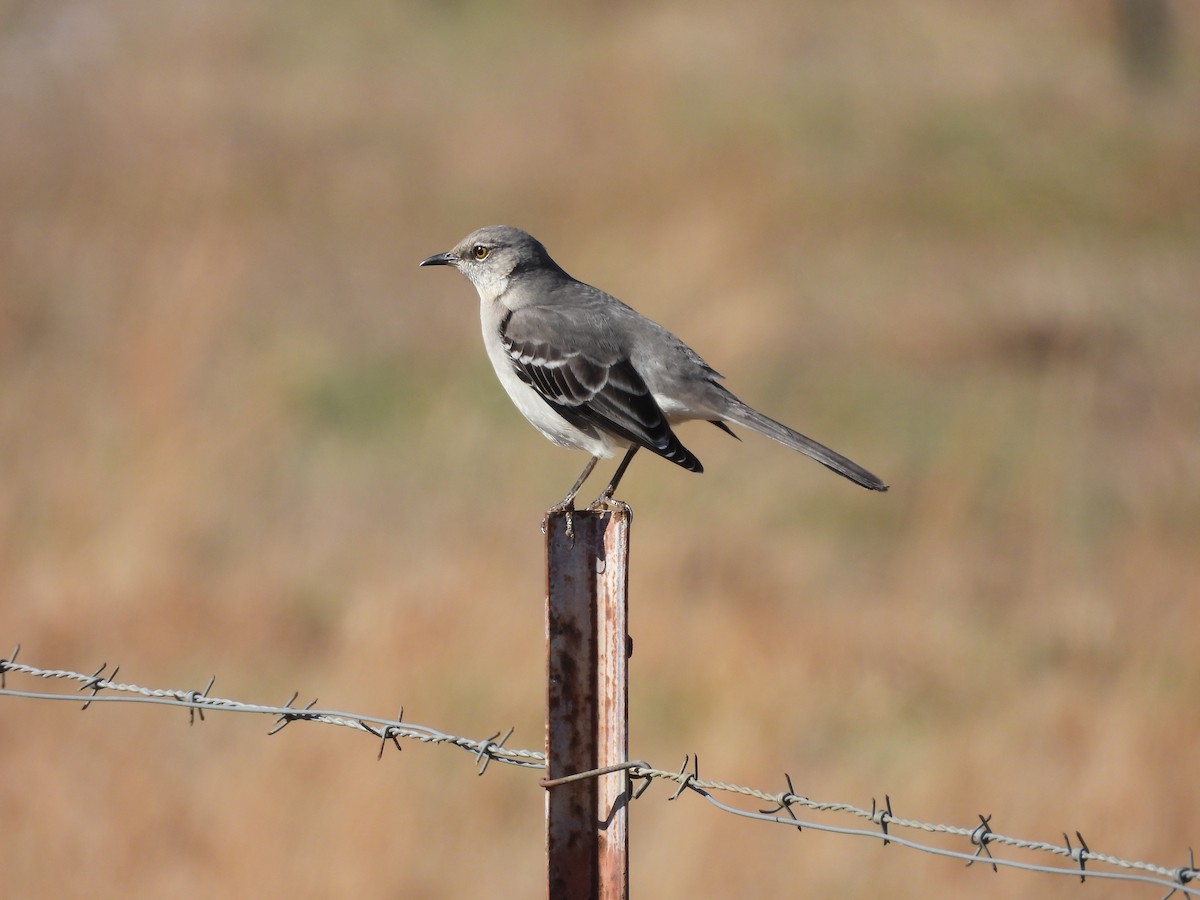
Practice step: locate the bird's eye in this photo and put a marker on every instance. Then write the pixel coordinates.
(480, 252)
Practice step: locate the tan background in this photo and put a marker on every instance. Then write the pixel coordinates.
(242, 433)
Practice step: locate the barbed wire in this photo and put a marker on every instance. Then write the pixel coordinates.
(782, 804)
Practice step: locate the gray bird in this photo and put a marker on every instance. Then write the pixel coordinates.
(592, 374)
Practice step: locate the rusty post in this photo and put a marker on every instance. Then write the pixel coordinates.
(587, 838)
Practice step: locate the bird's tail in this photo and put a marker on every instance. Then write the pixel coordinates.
(741, 414)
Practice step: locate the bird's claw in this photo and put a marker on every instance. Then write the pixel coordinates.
(567, 507)
(606, 503)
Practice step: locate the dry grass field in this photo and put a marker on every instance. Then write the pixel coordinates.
(242, 433)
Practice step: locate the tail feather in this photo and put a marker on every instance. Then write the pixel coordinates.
(741, 414)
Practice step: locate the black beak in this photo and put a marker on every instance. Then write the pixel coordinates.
(439, 259)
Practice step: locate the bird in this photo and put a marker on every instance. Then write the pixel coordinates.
(592, 374)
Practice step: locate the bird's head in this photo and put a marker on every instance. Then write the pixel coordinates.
(492, 256)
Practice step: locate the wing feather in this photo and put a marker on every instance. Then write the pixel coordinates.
(601, 390)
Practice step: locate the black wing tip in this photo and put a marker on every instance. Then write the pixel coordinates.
(864, 479)
(677, 453)
(857, 474)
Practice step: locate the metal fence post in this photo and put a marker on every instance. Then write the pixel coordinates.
(587, 689)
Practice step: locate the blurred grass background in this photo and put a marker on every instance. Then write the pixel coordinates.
(242, 433)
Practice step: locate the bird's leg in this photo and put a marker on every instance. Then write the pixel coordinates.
(605, 500)
(567, 503)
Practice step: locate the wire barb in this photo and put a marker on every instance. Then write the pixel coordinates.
(388, 732)
(882, 817)
(97, 683)
(1191, 872)
(686, 777)
(1183, 875)
(194, 700)
(981, 837)
(784, 802)
(486, 747)
(1079, 854)
(287, 718)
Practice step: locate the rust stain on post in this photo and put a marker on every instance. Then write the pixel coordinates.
(586, 704)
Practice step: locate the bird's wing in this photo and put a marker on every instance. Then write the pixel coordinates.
(589, 383)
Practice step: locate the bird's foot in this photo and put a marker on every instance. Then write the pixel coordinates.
(606, 503)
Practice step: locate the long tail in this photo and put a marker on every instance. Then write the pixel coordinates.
(741, 414)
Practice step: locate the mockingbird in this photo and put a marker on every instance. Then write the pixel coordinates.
(592, 374)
